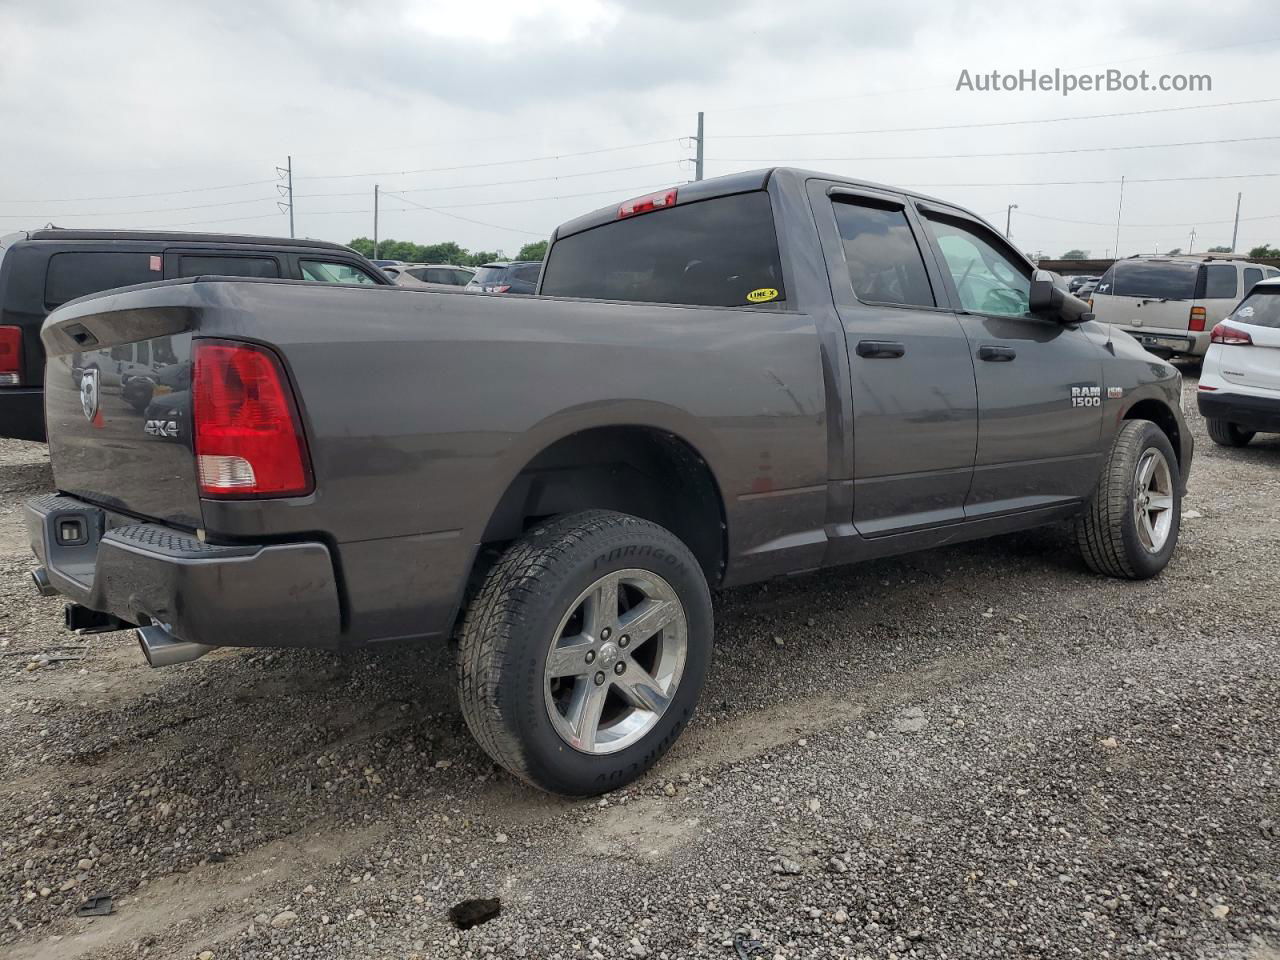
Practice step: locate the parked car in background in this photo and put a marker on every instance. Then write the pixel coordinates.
(1170, 303)
(438, 276)
(1074, 283)
(43, 269)
(730, 380)
(1239, 391)
(520, 276)
(1085, 290)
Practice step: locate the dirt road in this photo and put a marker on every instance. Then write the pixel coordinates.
(980, 751)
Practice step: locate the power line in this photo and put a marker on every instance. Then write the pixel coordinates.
(495, 226)
(491, 163)
(504, 183)
(949, 86)
(1001, 123)
(139, 196)
(131, 213)
(1180, 223)
(1072, 183)
(1020, 153)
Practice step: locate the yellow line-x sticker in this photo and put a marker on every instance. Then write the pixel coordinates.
(761, 294)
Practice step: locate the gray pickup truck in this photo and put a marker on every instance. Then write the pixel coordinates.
(743, 377)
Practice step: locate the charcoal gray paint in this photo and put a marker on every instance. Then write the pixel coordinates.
(422, 407)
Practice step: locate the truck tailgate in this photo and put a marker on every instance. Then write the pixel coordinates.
(117, 406)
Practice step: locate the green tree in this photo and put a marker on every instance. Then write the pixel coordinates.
(362, 246)
(1219, 249)
(533, 251)
(481, 257)
(1264, 251)
(1075, 255)
(1174, 252)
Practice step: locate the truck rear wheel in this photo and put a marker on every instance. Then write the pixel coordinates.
(585, 650)
(1130, 527)
(1227, 434)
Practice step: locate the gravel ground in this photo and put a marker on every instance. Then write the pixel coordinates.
(981, 751)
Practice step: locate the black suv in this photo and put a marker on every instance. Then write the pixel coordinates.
(43, 269)
(520, 276)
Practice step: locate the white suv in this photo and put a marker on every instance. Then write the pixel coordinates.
(1239, 392)
(1169, 304)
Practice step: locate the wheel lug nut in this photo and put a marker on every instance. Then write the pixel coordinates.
(623, 640)
(591, 656)
(606, 633)
(599, 678)
(620, 667)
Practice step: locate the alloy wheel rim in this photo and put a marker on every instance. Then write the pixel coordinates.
(1153, 500)
(615, 661)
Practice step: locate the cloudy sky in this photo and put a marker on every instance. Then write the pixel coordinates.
(490, 123)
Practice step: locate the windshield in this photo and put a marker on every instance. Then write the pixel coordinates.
(1261, 308)
(1152, 279)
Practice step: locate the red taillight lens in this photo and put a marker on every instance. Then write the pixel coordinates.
(1196, 321)
(248, 437)
(498, 287)
(650, 201)
(10, 356)
(1230, 336)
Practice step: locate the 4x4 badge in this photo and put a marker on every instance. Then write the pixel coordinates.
(89, 393)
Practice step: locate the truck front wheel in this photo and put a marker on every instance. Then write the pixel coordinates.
(584, 652)
(1130, 527)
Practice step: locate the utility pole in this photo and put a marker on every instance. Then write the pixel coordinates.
(1236, 229)
(697, 161)
(285, 189)
(1008, 219)
(1119, 211)
(375, 221)
(1191, 244)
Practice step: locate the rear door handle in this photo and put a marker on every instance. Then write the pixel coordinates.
(880, 349)
(997, 354)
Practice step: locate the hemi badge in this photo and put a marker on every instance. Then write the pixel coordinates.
(1115, 393)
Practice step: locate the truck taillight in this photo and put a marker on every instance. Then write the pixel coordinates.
(10, 356)
(1196, 321)
(1230, 336)
(650, 201)
(247, 433)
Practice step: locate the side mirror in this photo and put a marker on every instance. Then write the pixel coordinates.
(1047, 300)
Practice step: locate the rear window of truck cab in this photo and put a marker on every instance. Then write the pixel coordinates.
(721, 252)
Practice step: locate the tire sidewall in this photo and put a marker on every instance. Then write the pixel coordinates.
(551, 762)
(1144, 562)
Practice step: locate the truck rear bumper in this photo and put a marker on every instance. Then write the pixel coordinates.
(22, 413)
(242, 595)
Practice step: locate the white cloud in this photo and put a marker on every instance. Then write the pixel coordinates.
(98, 100)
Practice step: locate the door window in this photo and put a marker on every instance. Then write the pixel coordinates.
(1251, 276)
(1220, 282)
(987, 280)
(881, 253)
(323, 271)
(189, 266)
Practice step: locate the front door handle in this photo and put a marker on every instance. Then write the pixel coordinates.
(880, 349)
(997, 354)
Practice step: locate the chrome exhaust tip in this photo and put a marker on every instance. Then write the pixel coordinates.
(40, 576)
(163, 649)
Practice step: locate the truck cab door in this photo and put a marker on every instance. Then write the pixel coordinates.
(913, 395)
(1040, 386)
